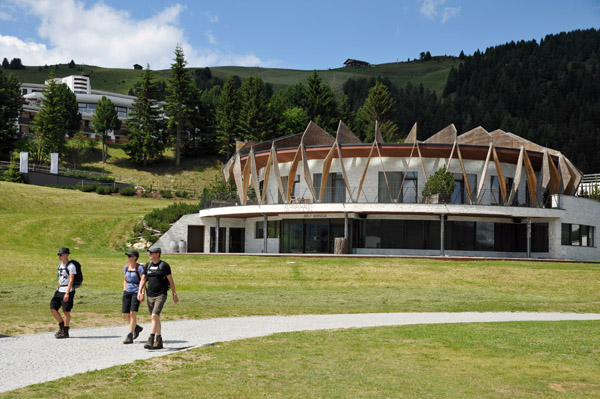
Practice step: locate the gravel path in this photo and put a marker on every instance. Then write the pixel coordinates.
(36, 358)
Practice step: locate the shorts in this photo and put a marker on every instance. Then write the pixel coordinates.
(156, 303)
(57, 301)
(130, 302)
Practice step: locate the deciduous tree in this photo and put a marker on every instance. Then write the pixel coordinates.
(105, 120)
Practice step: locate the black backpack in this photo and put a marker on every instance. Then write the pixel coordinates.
(79, 276)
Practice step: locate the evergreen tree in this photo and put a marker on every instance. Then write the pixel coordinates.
(320, 103)
(145, 125)
(178, 99)
(227, 115)
(105, 119)
(379, 106)
(56, 119)
(10, 105)
(5, 63)
(255, 115)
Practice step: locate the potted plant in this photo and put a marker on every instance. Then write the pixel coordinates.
(439, 187)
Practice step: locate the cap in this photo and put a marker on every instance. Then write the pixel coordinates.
(133, 252)
(63, 250)
(155, 250)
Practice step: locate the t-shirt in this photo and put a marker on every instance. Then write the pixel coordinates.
(157, 277)
(63, 276)
(133, 281)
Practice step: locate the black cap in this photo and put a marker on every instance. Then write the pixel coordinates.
(155, 250)
(63, 250)
(133, 252)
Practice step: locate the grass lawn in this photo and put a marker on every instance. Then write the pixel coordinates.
(529, 360)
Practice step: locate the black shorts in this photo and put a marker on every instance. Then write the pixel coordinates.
(57, 301)
(130, 302)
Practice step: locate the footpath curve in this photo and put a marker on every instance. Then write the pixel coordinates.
(32, 359)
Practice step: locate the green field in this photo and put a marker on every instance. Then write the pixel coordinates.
(522, 360)
(432, 74)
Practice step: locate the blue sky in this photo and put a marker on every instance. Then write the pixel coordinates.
(273, 33)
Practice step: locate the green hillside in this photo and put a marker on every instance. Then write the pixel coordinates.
(432, 74)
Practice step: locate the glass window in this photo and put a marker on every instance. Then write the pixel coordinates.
(565, 234)
(394, 179)
(463, 234)
(415, 238)
(272, 227)
(392, 234)
(213, 237)
(485, 236)
(584, 236)
(372, 234)
(409, 189)
(335, 188)
(539, 237)
(575, 234)
(291, 234)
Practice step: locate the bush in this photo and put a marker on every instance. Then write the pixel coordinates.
(114, 189)
(13, 175)
(442, 182)
(161, 219)
(146, 193)
(127, 191)
(103, 190)
(90, 176)
(165, 193)
(88, 188)
(182, 194)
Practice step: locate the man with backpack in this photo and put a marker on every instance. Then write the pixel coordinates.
(158, 275)
(65, 292)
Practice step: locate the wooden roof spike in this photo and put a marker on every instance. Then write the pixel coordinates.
(412, 136)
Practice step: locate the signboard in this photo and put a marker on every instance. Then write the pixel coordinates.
(54, 163)
(24, 165)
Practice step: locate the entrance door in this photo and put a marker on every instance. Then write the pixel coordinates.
(195, 238)
(237, 237)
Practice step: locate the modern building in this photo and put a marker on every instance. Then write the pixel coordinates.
(87, 98)
(297, 194)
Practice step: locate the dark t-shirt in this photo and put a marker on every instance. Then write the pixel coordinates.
(157, 278)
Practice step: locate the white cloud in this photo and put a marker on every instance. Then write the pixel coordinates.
(212, 18)
(211, 38)
(432, 9)
(105, 36)
(4, 16)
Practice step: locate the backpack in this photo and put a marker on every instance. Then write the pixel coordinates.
(161, 269)
(79, 276)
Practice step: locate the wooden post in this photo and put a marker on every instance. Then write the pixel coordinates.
(341, 245)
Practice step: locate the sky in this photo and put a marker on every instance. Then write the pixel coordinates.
(305, 35)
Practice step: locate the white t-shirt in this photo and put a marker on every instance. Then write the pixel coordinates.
(63, 276)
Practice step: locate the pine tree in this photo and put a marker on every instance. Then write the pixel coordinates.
(10, 105)
(320, 103)
(379, 106)
(145, 125)
(255, 115)
(177, 101)
(227, 114)
(105, 119)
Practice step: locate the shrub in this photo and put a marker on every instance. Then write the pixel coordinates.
(127, 191)
(161, 219)
(146, 193)
(442, 182)
(182, 194)
(88, 188)
(13, 175)
(103, 190)
(90, 176)
(114, 189)
(165, 193)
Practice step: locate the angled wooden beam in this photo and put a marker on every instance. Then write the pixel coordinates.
(484, 172)
(266, 180)
(565, 174)
(501, 181)
(517, 180)
(530, 175)
(344, 175)
(362, 179)
(254, 176)
(326, 168)
(292, 173)
(406, 171)
(378, 136)
(569, 190)
(277, 173)
(412, 135)
(545, 174)
(554, 185)
(384, 172)
(237, 176)
(464, 172)
(246, 180)
(307, 175)
(422, 163)
(451, 155)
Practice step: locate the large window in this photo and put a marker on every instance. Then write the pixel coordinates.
(284, 182)
(409, 188)
(577, 235)
(497, 195)
(335, 188)
(213, 237)
(272, 229)
(396, 234)
(460, 194)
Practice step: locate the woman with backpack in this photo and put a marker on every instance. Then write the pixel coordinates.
(131, 284)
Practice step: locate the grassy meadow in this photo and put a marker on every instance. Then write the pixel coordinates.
(511, 360)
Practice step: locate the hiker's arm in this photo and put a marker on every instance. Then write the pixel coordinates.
(172, 284)
(142, 289)
(71, 280)
(124, 283)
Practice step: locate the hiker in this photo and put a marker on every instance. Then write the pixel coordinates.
(65, 293)
(157, 273)
(131, 284)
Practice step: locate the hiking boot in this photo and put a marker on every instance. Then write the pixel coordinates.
(61, 327)
(158, 343)
(129, 339)
(150, 342)
(137, 331)
(63, 334)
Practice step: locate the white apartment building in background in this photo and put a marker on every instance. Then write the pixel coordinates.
(87, 99)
